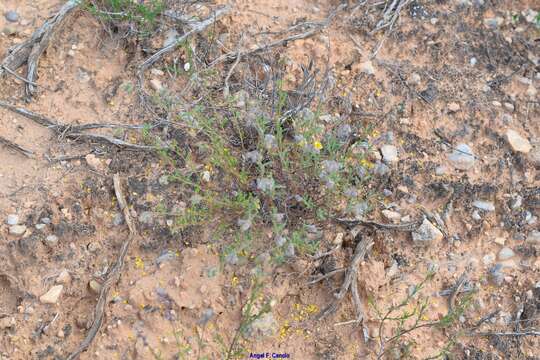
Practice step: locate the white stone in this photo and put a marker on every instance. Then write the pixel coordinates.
(64, 277)
(12, 219)
(17, 230)
(506, 253)
(389, 154)
(52, 296)
(156, 85)
(534, 237)
(518, 142)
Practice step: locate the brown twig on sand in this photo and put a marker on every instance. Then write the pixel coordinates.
(409, 226)
(195, 28)
(112, 276)
(31, 50)
(16, 147)
(351, 275)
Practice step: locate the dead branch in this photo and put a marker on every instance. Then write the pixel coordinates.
(110, 140)
(73, 131)
(351, 275)
(409, 226)
(315, 29)
(113, 275)
(18, 148)
(195, 28)
(30, 51)
(517, 333)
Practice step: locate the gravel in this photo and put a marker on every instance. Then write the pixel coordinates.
(534, 237)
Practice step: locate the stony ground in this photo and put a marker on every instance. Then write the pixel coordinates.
(441, 128)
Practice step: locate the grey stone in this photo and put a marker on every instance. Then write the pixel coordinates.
(484, 205)
(270, 142)
(265, 324)
(165, 257)
(206, 316)
(359, 210)
(51, 240)
(163, 180)
(171, 36)
(17, 230)
(253, 156)
(244, 224)
(495, 274)
(146, 217)
(476, 216)
(40, 226)
(380, 169)
(462, 157)
(330, 166)
(231, 258)
(289, 250)
(280, 240)
(506, 253)
(11, 16)
(12, 219)
(46, 220)
(426, 233)
(344, 132)
(118, 219)
(265, 184)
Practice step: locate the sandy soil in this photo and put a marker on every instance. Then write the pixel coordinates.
(423, 86)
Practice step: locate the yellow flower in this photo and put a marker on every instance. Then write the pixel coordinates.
(317, 145)
(139, 263)
(235, 281)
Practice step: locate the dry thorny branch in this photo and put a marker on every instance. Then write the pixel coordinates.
(30, 51)
(350, 282)
(113, 276)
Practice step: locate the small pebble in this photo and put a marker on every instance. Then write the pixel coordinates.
(506, 253)
(17, 230)
(51, 240)
(46, 220)
(40, 226)
(389, 154)
(52, 296)
(484, 205)
(517, 142)
(11, 16)
(12, 219)
(462, 157)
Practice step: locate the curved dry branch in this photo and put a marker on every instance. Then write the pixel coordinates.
(30, 51)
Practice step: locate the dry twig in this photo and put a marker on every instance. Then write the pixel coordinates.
(195, 28)
(18, 148)
(112, 276)
(351, 275)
